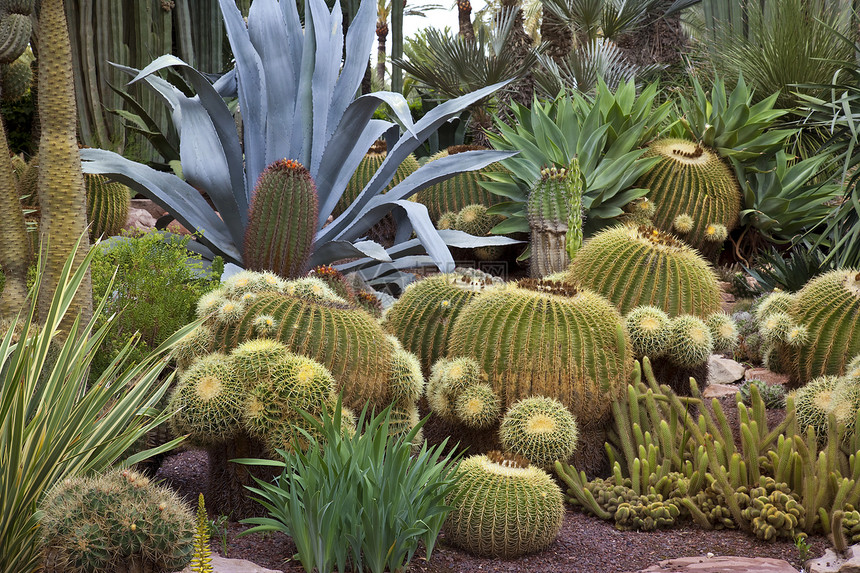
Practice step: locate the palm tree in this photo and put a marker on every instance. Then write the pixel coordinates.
(383, 12)
(464, 16)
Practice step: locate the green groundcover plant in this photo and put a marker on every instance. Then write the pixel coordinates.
(357, 498)
(53, 425)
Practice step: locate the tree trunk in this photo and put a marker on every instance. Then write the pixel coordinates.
(464, 15)
(62, 195)
(381, 36)
(557, 34)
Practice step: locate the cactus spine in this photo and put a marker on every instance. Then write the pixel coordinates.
(108, 203)
(635, 266)
(692, 180)
(15, 28)
(459, 191)
(555, 219)
(503, 507)
(281, 220)
(539, 429)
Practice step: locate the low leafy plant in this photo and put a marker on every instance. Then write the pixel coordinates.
(790, 272)
(156, 288)
(361, 499)
(53, 425)
(773, 395)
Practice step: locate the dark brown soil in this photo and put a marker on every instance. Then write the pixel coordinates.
(584, 545)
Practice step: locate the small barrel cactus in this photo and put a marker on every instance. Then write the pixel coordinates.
(477, 406)
(448, 379)
(119, 521)
(555, 219)
(545, 338)
(636, 266)
(813, 404)
(282, 220)
(423, 316)
(690, 341)
(539, 429)
(459, 191)
(648, 327)
(724, 331)
(17, 77)
(502, 507)
(695, 193)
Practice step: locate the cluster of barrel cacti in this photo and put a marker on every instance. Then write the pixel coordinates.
(503, 507)
(673, 465)
(120, 521)
(685, 340)
(813, 332)
(826, 395)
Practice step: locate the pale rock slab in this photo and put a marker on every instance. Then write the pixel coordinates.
(224, 565)
(832, 563)
(721, 564)
(724, 370)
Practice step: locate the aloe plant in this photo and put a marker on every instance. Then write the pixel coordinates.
(603, 132)
(297, 98)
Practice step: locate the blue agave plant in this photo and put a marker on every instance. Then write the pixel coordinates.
(297, 96)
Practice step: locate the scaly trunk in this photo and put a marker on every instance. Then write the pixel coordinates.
(558, 36)
(62, 195)
(464, 15)
(382, 37)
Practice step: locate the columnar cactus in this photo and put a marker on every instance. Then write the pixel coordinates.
(116, 522)
(545, 338)
(459, 191)
(282, 220)
(17, 77)
(694, 192)
(108, 203)
(555, 219)
(503, 507)
(635, 266)
(539, 429)
(423, 316)
(15, 28)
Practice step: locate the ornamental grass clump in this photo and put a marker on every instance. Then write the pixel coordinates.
(388, 501)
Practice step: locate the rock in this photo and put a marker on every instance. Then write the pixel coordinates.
(727, 299)
(149, 206)
(719, 390)
(721, 564)
(139, 219)
(223, 565)
(724, 370)
(765, 375)
(832, 563)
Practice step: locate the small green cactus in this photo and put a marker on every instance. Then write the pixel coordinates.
(502, 507)
(447, 220)
(208, 400)
(17, 77)
(690, 341)
(108, 203)
(282, 220)
(636, 266)
(448, 379)
(724, 331)
(459, 191)
(477, 406)
(648, 327)
(539, 429)
(555, 219)
(119, 521)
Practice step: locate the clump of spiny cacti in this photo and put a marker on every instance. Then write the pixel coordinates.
(502, 507)
(115, 522)
(540, 429)
(773, 395)
(772, 509)
(449, 378)
(642, 266)
(422, 318)
(690, 341)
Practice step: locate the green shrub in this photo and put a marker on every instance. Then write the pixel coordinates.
(357, 498)
(156, 289)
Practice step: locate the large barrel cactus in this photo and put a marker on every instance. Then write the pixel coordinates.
(692, 182)
(503, 507)
(108, 203)
(282, 220)
(459, 191)
(547, 339)
(640, 265)
(423, 316)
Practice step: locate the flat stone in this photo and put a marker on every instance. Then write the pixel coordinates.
(724, 370)
(721, 564)
(224, 565)
(719, 391)
(765, 375)
(832, 563)
(149, 206)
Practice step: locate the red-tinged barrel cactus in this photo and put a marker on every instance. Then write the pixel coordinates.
(282, 220)
(641, 265)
